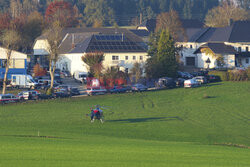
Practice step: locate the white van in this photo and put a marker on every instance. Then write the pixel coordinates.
(190, 83)
(23, 81)
(80, 76)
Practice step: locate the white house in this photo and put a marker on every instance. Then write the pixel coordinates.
(121, 48)
(232, 42)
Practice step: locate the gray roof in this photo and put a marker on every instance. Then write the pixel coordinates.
(238, 32)
(108, 43)
(73, 37)
(217, 48)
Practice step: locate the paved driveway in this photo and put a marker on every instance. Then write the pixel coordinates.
(72, 83)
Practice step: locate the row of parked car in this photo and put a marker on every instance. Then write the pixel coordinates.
(59, 92)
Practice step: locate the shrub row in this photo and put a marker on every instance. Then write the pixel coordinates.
(232, 75)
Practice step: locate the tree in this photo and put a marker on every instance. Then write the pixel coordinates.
(32, 28)
(54, 37)
(38, 70)
(164, 62)
(220, 16)
(137, 71)
(10, 41)
(219, 58)
(94, 62)
(62, 10)
(98, 10)
(171, 21)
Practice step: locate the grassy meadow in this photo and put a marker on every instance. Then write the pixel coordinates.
(198, 127)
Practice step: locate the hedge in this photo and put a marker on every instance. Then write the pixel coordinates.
(232, 75)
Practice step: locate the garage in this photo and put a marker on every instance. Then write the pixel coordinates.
(190, 61)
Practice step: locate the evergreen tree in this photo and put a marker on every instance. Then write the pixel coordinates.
(163, 63)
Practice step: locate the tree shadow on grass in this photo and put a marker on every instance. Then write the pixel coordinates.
(151, 119)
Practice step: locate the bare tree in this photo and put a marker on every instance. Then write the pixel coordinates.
(54, 39)
(171, 21)
(137, 71)
(220, 16)
(10, 41)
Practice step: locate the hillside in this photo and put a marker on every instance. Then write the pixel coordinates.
(207, 126)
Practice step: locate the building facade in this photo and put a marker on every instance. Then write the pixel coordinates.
(18, 63)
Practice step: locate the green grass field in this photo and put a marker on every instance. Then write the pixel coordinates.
(178, 127)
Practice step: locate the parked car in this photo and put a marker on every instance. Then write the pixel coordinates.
(80, 76)
(45, 96)
(139, 88)
(58, 79)
(190, 83)
(179, 82)
(61, 94)
(74, 92)
(188, 75)
(62, 88)
(65, 74)
(28, 95)
(201, 79)
(166, 82)
(117, 89)
(213, 78)
(8, 98)
(95, 91)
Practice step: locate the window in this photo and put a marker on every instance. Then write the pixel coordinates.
(239, 49)
(19, 63)
(247, 61)
(246, 49)
(134, 57)
(115, 57)
(3, 63)
(126, 57)
(141, 58)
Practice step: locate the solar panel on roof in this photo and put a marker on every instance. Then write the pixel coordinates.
(108, 37)
(97, 37)
(112, 37)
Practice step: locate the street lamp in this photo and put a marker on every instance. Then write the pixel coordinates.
(208, 62)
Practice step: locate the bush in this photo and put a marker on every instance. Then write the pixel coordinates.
(49, 91)
(248, 73)
(238, 75)
(222, 74)
(232, 75)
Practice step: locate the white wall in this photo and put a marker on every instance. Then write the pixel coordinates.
(75, 63)
(14, 54)
(41, 47)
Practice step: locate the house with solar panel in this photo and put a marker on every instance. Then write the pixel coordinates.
(231, 42)
(121, 48)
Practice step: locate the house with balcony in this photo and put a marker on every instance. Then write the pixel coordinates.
(121, 48)
(18, 63)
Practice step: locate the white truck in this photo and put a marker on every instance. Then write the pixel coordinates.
(80, 76)
(23, 81)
